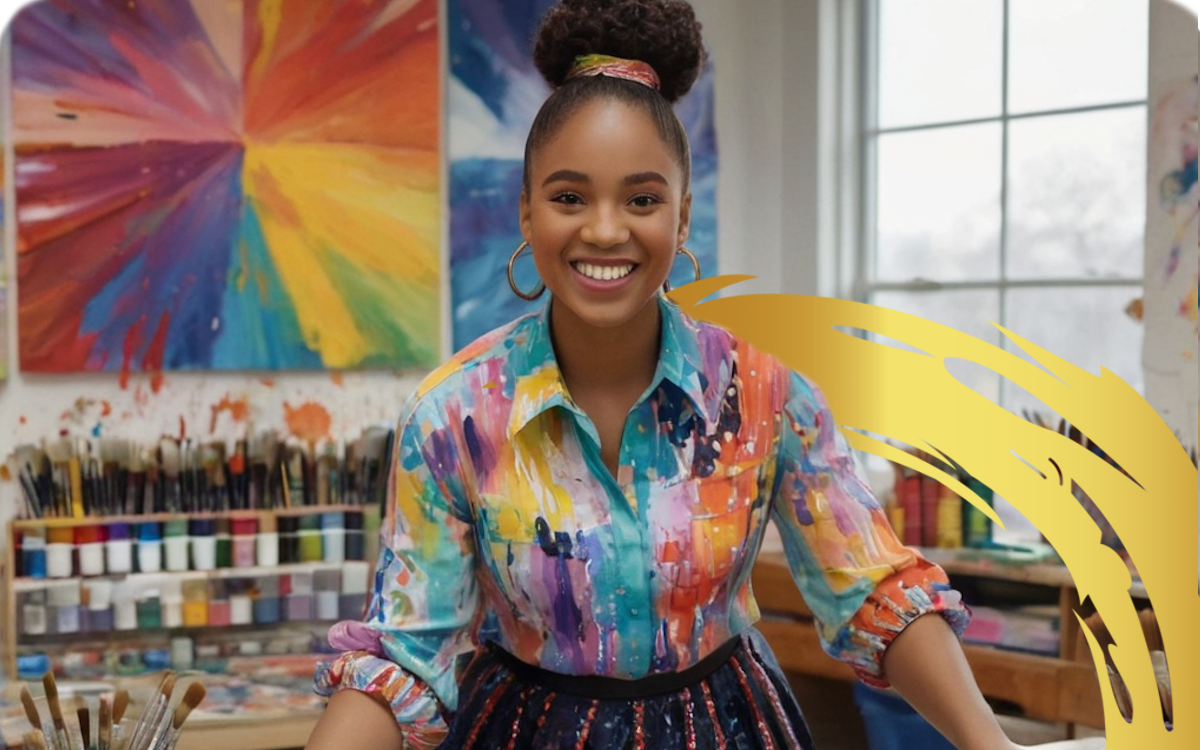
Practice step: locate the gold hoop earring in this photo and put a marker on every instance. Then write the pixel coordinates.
(695, 266)
(512, 283)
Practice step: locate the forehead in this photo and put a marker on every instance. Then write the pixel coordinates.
(606, 137)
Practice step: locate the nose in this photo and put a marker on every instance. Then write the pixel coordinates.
(604, 228)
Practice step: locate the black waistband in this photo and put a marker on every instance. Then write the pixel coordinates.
(615, 688)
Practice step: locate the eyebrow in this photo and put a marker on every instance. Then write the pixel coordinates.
(570, 175)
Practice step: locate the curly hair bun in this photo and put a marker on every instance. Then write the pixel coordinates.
(662, 33)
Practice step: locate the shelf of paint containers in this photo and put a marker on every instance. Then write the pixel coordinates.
(170, 601)
(59, 548)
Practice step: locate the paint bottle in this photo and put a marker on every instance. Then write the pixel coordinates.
(244, 531)
(224, 544)
(89, 542)
(171, 590)
(356, 548)
(176, 543)
(218, 604)
(119, 549)
(241, 607)
(149, 547)
(300, 604)
(125, 604)
(195, 602)
(33, 553)
(266, 600)
(149, 609)
(328, 589)
(204, 544)
(33, 613)
(65, 600)
(60, 552)
(183, 656)
(267, 542)
(355, 581)
(98, 594)
(977, 527)
(289, 542)
(333, 537)
(310, 538)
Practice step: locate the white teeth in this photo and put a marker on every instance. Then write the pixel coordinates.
(603, 273)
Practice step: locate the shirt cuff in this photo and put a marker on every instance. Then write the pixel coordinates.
(896, 602)
(417, 710)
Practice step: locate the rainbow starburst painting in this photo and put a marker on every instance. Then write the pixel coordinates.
(226, 184)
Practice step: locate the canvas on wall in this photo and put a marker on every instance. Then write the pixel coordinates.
(494, 94)
(226, 184)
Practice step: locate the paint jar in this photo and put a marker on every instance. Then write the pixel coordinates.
(356, 547)
(125, 605)
(176, 543)
(33, 554)
(267, 542)
(266, 601)
(97, 595)
(333, 537)
(60, 552)
(119, 549)
(172, 602)
(310, 538)
(355, 579)
(89, 541)
(244, 530)
(204, 545)
(289, 541)
(33, 613)
(327, 585)
(218, 604)
(150, 547)
(182, 654)
(224, 544)
(149, 610)
(195, 602)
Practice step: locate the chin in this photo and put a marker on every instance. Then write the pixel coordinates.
(610, 313)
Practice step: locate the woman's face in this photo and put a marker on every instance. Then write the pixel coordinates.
(605, 212)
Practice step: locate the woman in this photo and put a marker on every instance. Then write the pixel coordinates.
(578, 497)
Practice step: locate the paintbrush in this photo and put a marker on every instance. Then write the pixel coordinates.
(85, 722)
(192, 698)
(60, 737)
(169, 458)
(31, 712)
(104, 731)
(34, 740)
(152, 714)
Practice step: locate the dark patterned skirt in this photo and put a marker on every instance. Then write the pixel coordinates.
(745, 704)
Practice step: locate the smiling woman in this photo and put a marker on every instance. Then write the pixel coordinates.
(578, 497)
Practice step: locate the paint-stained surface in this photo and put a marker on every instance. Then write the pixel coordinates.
(226, 184)
(506, 525)
(495, 92)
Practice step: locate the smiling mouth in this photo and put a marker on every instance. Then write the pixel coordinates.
(604, 273)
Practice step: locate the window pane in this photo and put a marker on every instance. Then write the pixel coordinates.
(1075, 53)
(939, 60)
(968, 310)
(1086, 326)
(938, 204)
(1077, 195)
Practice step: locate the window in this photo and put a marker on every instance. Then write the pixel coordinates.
(1004, 152)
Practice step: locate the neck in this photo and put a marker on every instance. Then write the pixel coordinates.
(621, 357)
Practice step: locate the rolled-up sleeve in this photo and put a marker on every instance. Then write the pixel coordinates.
(425, 598)
(862, 585)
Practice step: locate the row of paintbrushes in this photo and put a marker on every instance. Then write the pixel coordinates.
(157, 728)
(88, 477)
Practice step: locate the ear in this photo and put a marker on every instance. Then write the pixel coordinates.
(523, 216)
(685, 219)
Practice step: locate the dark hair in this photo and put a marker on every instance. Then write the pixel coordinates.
(661, 33)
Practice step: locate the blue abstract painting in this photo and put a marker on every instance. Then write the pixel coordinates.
(495, 92)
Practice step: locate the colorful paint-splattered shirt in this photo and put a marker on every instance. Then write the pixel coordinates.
(505, 525)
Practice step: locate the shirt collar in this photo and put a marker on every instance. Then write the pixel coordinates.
(538, 384)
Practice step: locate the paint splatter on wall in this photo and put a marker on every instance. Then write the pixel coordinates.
(495, 93)
(227, 184)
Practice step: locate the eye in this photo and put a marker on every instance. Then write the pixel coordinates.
(645, 201)
(568, 199)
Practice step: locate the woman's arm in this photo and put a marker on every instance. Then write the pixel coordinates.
(926, 665)
(355, 720)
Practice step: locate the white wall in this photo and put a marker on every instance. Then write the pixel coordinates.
(768, 204)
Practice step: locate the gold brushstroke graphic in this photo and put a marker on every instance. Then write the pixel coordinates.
(913, 398)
